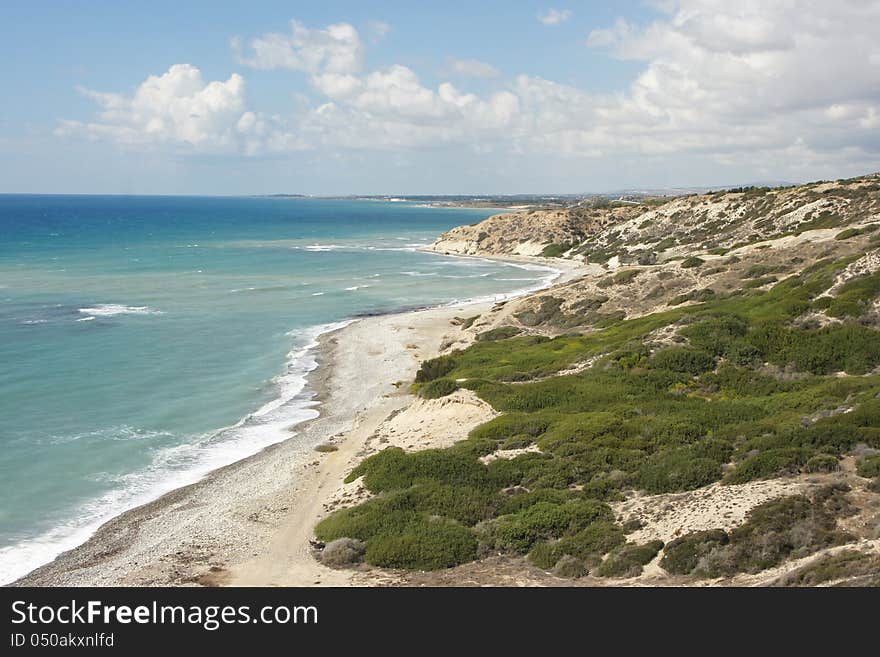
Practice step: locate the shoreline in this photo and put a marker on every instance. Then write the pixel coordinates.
(206, 532)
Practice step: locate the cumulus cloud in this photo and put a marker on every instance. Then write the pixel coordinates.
(472, 68)
(391, 108)
(554, 16)
(783, 85)
(334, 49)
(179, 107)
(753, 71)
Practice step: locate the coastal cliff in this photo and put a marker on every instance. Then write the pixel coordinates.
(659, 229)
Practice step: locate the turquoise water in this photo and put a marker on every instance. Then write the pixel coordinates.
(145, 341)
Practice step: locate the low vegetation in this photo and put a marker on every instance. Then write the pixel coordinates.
(728, 384)
(788, 527)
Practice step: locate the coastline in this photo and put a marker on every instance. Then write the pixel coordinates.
(248, 523)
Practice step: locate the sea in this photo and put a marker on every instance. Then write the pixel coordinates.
(145, 341)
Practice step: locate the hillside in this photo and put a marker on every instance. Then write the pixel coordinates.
(700, 405)
(648, 233)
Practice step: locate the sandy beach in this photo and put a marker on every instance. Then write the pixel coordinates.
(249, 523)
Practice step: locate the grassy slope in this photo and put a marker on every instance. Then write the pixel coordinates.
(658, 420)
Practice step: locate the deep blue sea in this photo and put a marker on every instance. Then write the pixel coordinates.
(145, 341)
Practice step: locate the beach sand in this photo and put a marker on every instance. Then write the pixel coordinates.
(249, 523)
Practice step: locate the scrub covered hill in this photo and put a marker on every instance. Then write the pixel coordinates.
(713, 373)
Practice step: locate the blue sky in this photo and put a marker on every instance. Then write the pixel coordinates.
(463, 97)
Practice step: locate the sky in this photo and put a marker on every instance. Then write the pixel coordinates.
(478, 97)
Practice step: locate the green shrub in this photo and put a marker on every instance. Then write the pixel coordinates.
(782, 528)
(682, 555)
(684, 360)
(363, 522)
(869, 466)
(700, 296)
(627, 560)
(425, 545)
(500, 333)
(392, 468)
(845, 565)
(855, 296)
(570, 567)
(435, 368)
(846, 234)
(544, 520)
(822, 463)
(512, 424)
(437, 388)
(626, 276)
(555, 250)
(678, 470)
(587, 545)
(465, 504)
(770, 463)
(691, 261)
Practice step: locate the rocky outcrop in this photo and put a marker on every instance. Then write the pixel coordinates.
(661, 229)
(527, 233)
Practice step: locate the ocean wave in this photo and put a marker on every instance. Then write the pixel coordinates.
(355, 287)
(183, 464)
(324, 247)
(113, 309)
(317, 294)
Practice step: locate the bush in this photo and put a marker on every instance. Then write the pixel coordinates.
(437, 388)
(700, 296)
(363, 522)
(426, 545)
(682, 555)
(435, 368)
(770, 463)
(787, 527)
(691, 261)
(846, 234)
(626, 276)
(869, 466)
(541, 521)
(500, 333)
(555, 250)
(393, 468)
(569, 567)
(822, 463)
(587, 545)
(343, 552)
(678, 470)
(844, 565)
(684, 360)
(627, 560)
(854, 297)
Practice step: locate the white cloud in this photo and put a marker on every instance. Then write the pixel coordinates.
(180, 108)
(555, 16)
(756, 85)
(377, 30)
(335, 49)
(472, 68)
